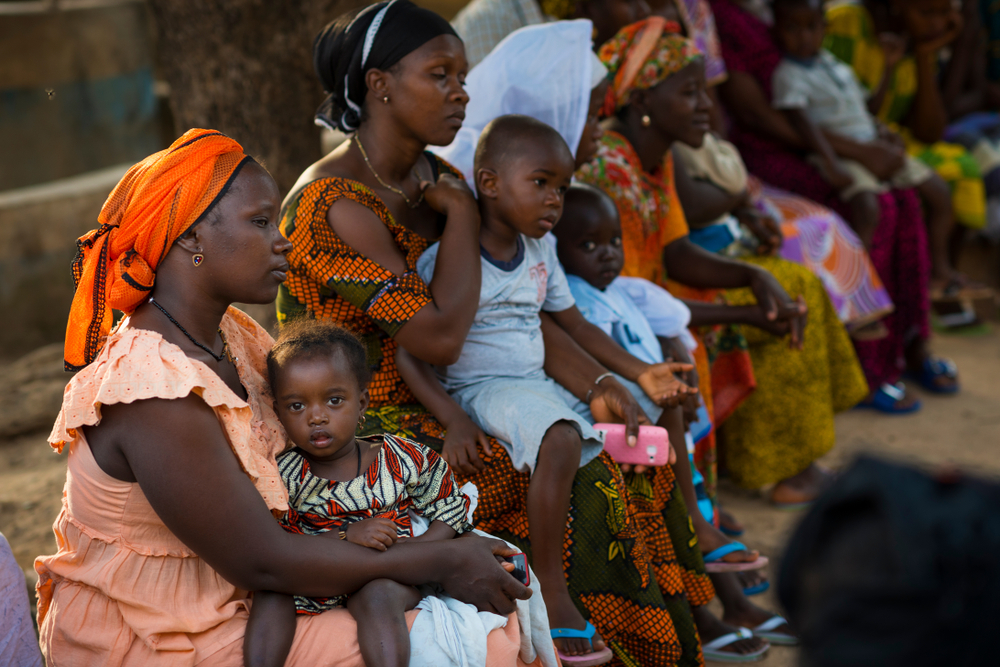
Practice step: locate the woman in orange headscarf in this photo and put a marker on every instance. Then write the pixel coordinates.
(167, 520)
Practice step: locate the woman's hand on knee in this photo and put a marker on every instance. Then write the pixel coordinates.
(780, 314)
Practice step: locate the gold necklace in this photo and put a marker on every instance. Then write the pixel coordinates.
(385, 185)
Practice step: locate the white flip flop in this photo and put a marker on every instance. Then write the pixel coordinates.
(777, 638)
(712, 651)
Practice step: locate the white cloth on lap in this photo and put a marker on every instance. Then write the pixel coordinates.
(18, 644)
(449, 632)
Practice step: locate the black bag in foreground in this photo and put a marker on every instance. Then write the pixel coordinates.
(895, 567)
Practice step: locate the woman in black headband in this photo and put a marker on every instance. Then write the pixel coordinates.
(361, 216)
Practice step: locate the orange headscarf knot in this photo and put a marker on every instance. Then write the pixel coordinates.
(153, 204)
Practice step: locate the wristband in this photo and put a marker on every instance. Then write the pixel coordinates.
(597, 382)
(343, 532)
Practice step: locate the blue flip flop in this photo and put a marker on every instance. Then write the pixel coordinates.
(762, 587)
(932, 369)
(587, 660)
(885, 398)
(714, 563)
(730, 532)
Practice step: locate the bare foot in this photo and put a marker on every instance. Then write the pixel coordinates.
(564, 614)
(709, 628)
(804, 487)
(728, 522)
(751, 578)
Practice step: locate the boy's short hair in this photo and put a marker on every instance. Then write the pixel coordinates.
(305, 337)
(502, 137)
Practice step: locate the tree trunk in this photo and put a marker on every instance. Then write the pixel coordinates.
(244, 67)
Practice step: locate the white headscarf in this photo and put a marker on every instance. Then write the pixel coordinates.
(544, 71)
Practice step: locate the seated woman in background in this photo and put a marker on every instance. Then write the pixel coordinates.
(648, 114)
(658, 98)
(360, 217)
(772, 220)
(769, 145)
(171, 438)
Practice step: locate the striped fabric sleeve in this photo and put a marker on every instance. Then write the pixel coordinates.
(435, 493)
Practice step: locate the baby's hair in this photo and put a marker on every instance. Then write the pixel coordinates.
(504, 135)
(582, 199)
(305, 337)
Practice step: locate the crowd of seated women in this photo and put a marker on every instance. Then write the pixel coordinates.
(715, 267)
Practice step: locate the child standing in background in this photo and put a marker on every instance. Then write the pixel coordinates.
(523, 169)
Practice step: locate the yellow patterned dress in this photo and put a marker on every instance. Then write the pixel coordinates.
(633, 565)
(787, 422)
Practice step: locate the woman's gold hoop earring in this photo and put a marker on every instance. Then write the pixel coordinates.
(646, 120)
(361, 422)
(197, 259)
(385, 100)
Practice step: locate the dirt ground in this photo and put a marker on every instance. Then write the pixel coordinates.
(963, 430)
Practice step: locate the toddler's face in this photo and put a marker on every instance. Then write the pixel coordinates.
(800, 29)
(319, 403)
(532, 185)
(594, 250)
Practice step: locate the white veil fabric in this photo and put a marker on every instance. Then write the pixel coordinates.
(544, 71)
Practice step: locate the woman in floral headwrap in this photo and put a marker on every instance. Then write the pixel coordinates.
(775, 436)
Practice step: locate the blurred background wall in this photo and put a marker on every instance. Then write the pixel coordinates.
(89, 87)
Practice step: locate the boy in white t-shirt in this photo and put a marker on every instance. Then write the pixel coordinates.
(523, 169)
(819, 93)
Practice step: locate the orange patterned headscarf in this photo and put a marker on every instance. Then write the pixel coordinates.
(642, 55)
(155, 203)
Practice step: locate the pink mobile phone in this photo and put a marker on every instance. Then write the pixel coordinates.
(652, 449)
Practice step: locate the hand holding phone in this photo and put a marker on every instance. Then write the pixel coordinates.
(651, 449)
(520, 571)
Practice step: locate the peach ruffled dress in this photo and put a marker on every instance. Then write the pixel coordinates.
(122, 589)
